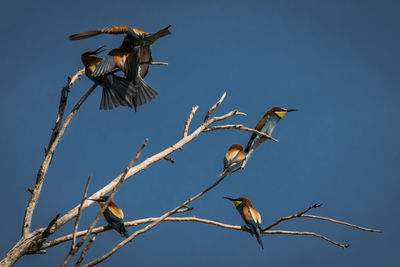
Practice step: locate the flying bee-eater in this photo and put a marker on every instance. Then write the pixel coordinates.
(116, 90)
(250, 216)
(233, 159)
(134, 54)
(113, 215)
(266, 125)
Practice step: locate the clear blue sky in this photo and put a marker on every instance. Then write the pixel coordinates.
(336, 61)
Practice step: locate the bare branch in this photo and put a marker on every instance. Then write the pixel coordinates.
(147, 228)
(85, 249)
(169, 159)
(281, 232)
(184, 209)
(211, 110)
(63, 104)
(227, 115)
(189, 120)
(78, 217)
(315, 206)
(47, 161)
(143, 165)
(198, 220)
(104, 207)
(340, 222)
(155, 63)
(239, 127)
(46, 232)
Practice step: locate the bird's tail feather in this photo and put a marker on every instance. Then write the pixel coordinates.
(118, 94)
(258, 236)
(109, 99)
(144, 92)
(157, 35)
(123, 231)
(124, 90)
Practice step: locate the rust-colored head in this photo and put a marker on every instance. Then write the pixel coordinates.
(236, 147)
(240, 200)
(280, 112)
(102, 200)
(88, 56)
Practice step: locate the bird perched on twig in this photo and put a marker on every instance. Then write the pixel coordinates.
(113, 215)
(116, 90)
(132, 57)
(266, 125)
(249, 215)
(233, 159)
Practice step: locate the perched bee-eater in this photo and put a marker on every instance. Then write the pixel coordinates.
(233, 159)
(249, 215)
(113, 215)
(135, 50)
(266, 125)
(116, 90)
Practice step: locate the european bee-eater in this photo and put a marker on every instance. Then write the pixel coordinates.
(116, 90)
(135, 50)
(266, 125)
(233, 159)
(249, 215)
(113, 215)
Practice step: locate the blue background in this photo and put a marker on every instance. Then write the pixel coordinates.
(336, 61)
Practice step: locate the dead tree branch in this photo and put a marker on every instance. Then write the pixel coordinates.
(48, 158)
(340, 222)
(34, 239)
(266, 230)
(147, 228)
(315, 206)
(149, 161)
(239, 127)
(105, 206)
(189, 120)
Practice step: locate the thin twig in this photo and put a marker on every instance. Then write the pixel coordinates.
(78, 217)
(63, 104)
(315, 206)
(155, 63)
(41, 175)
(340, 222)
(211, 110)
(169, 159)
(189, 120)
(85, 249)
(227, 115)
(281, 232)
(46, 232)
(239, 127)
(105, 206)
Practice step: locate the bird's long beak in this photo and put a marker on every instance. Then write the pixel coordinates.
(93, 199)
(228, 198)
(291, 109)
(99, 50)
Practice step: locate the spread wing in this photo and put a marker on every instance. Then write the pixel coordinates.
(121, 29)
